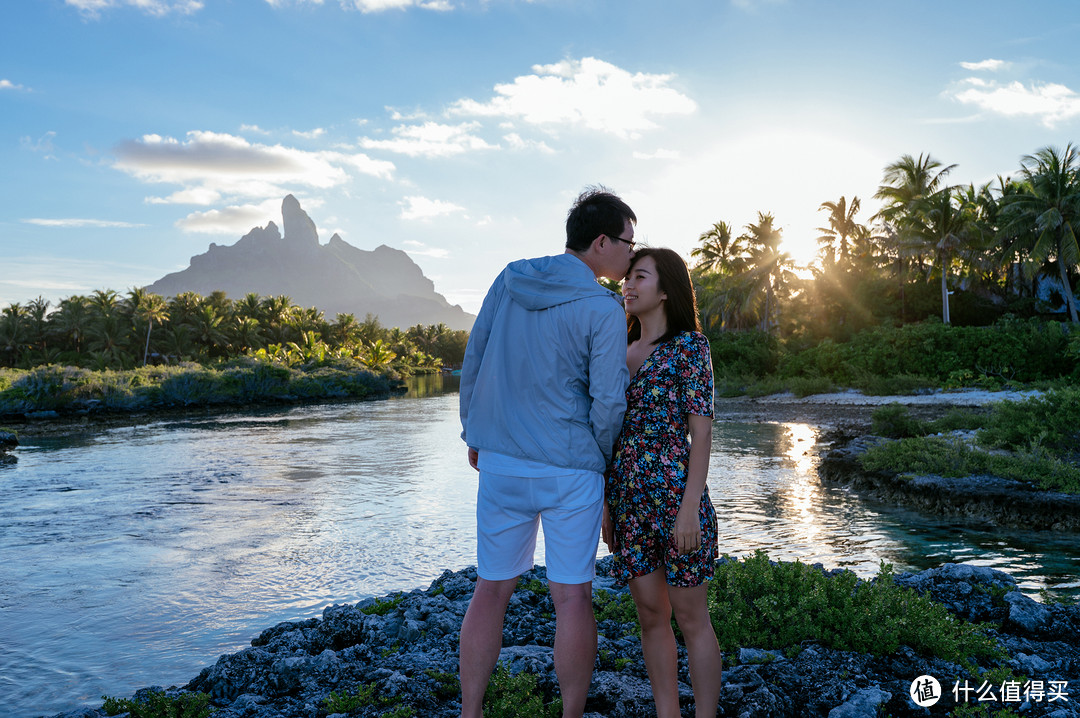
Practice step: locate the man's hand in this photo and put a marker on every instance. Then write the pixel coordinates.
(607, 530)
(474, 456)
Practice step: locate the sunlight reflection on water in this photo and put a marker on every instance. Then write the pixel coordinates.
(135, 555)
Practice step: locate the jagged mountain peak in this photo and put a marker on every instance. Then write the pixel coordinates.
(336, 277)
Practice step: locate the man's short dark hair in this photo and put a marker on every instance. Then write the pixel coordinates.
(596, 211)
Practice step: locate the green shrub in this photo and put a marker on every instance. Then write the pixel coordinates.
(1051, 421)
(893, 421)
(744, 353)
(381, 607)
(517, 696)
(756, 603)
(954, 458)
(159, 705)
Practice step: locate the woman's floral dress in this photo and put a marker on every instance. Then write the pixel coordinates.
(647, 477)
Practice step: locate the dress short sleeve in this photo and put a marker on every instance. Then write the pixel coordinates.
(695, 374)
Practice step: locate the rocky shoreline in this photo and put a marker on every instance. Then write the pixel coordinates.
(404, 647)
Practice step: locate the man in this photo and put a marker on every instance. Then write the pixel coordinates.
(543, 391)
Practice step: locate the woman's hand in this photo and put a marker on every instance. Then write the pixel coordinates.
(607, 530)
(687, 530)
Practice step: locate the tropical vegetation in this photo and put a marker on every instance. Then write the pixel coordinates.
(106, 330)
(945, 285)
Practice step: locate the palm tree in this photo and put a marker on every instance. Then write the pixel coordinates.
(843, 230)
(943, 225)
(718, 249)
(906, 181)
(246, 334)
(13, 333)
(1049, 203)
(770, 269)
(148, 308)
(71, 320)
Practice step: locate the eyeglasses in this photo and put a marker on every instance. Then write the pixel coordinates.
(620, 239)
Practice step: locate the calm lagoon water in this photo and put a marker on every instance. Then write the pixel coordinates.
(136, 555)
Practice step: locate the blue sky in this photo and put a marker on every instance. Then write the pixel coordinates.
(135, 132)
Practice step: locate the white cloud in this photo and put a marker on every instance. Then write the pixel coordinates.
(1049, 102)
(195, 195)
(659, 154)
(157, 8)
(234, 220)
(6, 84)
(423, 250)
(43, 144)
(74, 222)
(588, 93)
(206, 163)
(311, 135)
(989, 65)
(367, 6)
(515, 141)
(430, 139)
(253, 128)
(422, 208)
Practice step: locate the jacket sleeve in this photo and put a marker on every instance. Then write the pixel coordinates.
(608, 378)
(475, 349)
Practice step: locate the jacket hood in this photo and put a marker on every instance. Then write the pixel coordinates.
(546, 282)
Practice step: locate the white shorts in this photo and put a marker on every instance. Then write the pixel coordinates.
(509, 510)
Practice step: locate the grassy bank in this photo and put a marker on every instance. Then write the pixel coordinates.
(1011, 353)
(71, 390)
(1036, 440)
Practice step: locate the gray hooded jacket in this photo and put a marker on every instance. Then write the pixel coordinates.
(544, 376)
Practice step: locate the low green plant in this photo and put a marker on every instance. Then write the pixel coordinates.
(345, 701)
(954, 458)
(894, 422)
(381, 607)
(1050, 421)
(517, 695)
(535, 585)
(758, 603)
(616, 606)
(159, 705)
(447, 685)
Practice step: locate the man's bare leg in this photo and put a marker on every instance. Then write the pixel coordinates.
(481, 639)
(575, 643)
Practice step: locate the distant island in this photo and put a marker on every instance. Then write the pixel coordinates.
(335, 277)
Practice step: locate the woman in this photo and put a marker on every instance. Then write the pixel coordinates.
(659, 522)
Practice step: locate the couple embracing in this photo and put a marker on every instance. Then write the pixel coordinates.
(596, 420)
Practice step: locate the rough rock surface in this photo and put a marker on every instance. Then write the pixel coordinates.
(1001, 502)
(406, 646)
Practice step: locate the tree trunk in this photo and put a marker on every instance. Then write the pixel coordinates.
(944, 296)
(1070, 299)
(146, 351)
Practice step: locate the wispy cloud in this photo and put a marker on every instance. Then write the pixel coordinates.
(367, 6)
(311, 134)
(235, 220)
(1050, 103)
(419, 249)
(587, 93)
(6, 84)
(988, 65)
(659, 154)
(43, 144)
(516, 142)
(422, 208)
(75, 222)
(156, 8)
(211, 165)
(430, 139)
